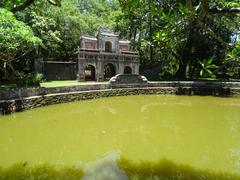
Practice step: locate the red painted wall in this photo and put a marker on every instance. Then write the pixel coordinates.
(90, 45)
(123, 47)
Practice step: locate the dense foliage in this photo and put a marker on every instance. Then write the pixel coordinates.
(60, 27)
(16, 38)
(182, 35)
(183, 39)
(56, 29)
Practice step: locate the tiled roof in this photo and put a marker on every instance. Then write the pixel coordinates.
(89, 38)
(124, 41)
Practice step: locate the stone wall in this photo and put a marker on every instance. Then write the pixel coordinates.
(38, 101)
(55, 70)
(8, 106)
(151, 72)
(29, 92)
(13, 101)
(207, 84)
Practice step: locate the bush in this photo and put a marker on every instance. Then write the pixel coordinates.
(28, 79)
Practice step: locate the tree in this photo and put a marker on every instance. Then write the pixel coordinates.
(16, 38)
(184, 32)
(61, 27)
(20, 5)
(201, 16)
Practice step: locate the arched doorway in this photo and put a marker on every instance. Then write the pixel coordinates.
(127, 70)
(89, 72)
(108, 46)
(109, 71)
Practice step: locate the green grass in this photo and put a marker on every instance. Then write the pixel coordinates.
(8, 87)
(67, 83)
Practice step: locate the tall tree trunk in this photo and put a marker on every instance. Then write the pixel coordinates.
(186, 58)
(150, 29)
(181, 72)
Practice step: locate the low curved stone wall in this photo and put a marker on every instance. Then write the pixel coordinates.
(77, 93)
(9, 106)
(22, 93)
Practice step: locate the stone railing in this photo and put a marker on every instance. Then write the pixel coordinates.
(22, 93)
(97, 54)
(213, 84)
(24, 99)
(41, 91)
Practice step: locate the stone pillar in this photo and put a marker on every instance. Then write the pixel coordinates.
(121, 64)
(38, 65)
(100, 68)
(38, 61)
(136, 70)
(97, 70)
(81, 75)
(117, 67)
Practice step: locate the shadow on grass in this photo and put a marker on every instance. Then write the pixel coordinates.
(168, 170)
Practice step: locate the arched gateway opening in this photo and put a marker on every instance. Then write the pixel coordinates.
(109, 71)
(127, 70)
(89, 72)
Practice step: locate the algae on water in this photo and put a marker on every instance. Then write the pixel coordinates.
(23, 171)
(202, 132)
(168, 170)
(112, 167)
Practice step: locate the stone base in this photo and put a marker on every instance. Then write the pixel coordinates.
(128, 80)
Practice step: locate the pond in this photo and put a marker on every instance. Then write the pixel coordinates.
(202, 133)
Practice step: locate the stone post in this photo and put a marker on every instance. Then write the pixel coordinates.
(38, 61)
(81, 75)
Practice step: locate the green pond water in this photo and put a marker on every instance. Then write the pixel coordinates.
(202, 132)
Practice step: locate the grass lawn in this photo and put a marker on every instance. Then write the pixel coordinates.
(67, 83)
(8, 87)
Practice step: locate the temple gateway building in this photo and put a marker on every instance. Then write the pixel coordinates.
(105, 55)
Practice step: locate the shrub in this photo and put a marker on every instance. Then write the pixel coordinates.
(28, 79)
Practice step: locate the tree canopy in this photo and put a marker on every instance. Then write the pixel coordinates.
(56, 28)
(186, 38)
(180, 35)
(15, 39)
